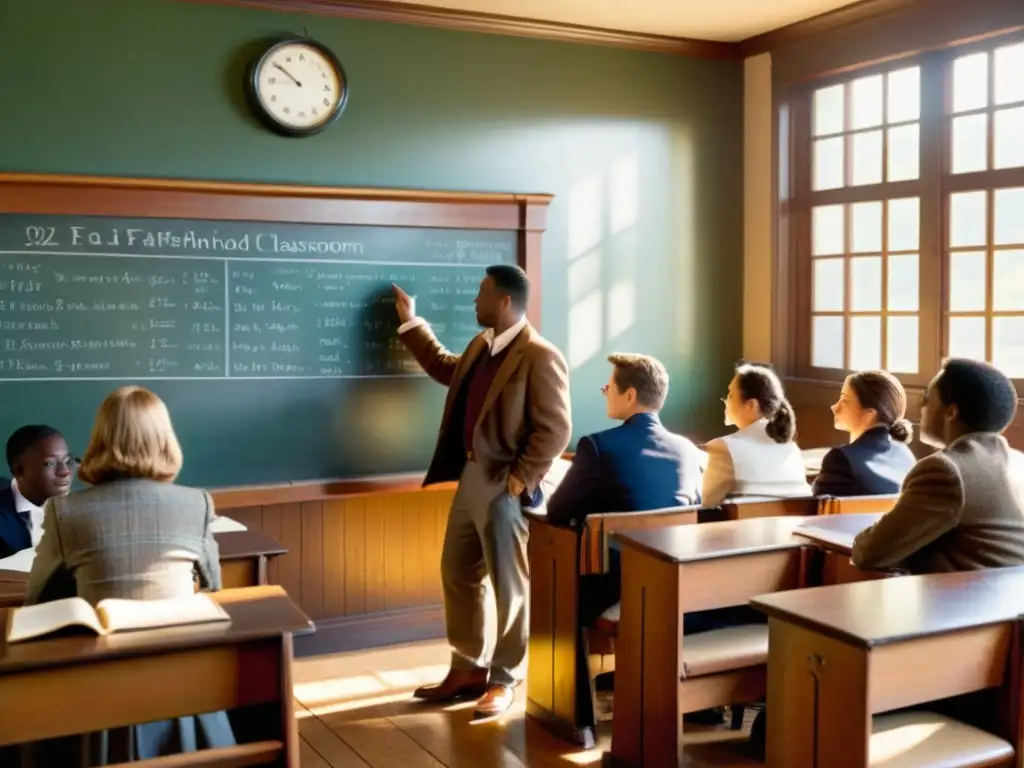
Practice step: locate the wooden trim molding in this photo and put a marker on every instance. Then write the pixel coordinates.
(473, 21)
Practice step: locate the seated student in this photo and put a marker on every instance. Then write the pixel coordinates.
(637, 465)
(134, 534)
(962, 508)
(871, 408)
(760, 459)
(41, 467)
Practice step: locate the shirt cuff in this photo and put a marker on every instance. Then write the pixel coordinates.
(416, 322)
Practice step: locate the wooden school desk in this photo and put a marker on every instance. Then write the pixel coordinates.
(48, 687)
(840, 654)
(833, 537)
(667, 572)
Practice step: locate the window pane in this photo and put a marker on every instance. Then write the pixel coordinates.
(828, 285)
(1008, 281)
(827, 230)
(828, 110)
(970, 143)
(827, 342)
(904, 224)
(866, 284)
(903, 291)
(967, 337)
(904, 95)
(967, 219)
(967, 282)
(866, 102)
(865, 343)
(1008, 345)
(1009, 139)
(904, 153)
(866, 227)
(1009, 213)
(901, 352)
(1009, 66)
(867, 158)
(970, 82)
(828, 163)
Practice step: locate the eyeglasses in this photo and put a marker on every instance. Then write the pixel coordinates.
(604, 390)
(68, 462)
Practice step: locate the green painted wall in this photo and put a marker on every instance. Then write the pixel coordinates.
(642, 151)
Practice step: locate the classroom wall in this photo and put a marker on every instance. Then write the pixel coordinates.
(643, 152)
(643, 252)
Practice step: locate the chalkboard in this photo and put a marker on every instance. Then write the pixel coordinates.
(274, 343)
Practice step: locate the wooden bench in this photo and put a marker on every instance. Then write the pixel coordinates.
(48, 686)
(660, 674)
(561, 562)
(844, 655)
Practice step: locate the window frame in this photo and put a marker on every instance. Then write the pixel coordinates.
(933, 187)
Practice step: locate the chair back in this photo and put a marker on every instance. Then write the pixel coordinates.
(760, 506)
(597, 530)
(852, 505)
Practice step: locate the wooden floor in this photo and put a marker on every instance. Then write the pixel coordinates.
(355, 712)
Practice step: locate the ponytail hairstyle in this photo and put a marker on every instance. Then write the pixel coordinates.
(759, 382)
(883, 393)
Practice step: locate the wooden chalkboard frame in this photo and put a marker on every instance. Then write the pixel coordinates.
(526, 214)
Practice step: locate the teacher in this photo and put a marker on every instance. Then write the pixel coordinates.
(506, 419)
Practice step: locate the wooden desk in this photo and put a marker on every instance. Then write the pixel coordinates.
(667, 572)
(840, 654)
(48, 687)
(832, 536)
(244, 556)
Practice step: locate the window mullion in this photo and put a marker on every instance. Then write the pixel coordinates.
(933, 262)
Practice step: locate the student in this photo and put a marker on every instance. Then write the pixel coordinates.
(134, 534)
(871, 408)
(962, 508)
(637, 465)
(41, 467)
(760, 459)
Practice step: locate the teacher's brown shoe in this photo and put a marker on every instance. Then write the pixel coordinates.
(495, 702)
(457, 684)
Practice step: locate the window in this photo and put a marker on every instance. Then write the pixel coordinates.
(865, 222)
(908, 211)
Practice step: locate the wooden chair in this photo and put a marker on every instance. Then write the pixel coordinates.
(561, 560)
(756, 506)
(852, 505)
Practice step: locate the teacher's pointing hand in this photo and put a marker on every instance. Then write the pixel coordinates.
(404, 304)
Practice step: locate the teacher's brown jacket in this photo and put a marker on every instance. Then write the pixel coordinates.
(959, 509)
(525, 423)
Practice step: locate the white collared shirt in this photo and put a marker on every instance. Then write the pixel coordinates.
(23, 505)
(495, 343)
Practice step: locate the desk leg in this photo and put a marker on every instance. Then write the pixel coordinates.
(818, 714)
(648, 723)
(289, 726)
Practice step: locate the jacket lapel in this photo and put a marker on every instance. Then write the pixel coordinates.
(508, 367)
(476, 346)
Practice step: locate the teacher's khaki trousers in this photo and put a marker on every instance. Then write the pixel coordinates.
(486, 537)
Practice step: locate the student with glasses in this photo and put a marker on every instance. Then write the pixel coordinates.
(41, 468)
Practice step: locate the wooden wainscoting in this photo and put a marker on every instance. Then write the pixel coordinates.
(365, 567)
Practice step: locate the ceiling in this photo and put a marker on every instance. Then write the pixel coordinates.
(719, 20)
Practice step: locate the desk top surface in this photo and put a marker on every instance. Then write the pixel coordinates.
(837, 532)
(236, 545)
(710, 541)
(881, 611)
(256, 613)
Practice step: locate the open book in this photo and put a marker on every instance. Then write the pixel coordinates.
(111, 615)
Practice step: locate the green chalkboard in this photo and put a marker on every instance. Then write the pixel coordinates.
(274, 344)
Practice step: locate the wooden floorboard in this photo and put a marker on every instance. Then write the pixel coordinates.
(355, 711)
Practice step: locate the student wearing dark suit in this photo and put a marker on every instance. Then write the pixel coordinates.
(962, 508)
(506, 419)
(871, 408)
(638, 465)
(133, 534)
(42, 468)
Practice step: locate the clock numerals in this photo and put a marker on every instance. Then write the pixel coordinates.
(327, 102)
(327, 87)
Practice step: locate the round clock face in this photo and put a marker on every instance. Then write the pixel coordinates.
(299, 86)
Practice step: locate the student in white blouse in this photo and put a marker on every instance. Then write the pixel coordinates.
(761, 458)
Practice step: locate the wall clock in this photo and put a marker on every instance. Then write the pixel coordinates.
(297, 87)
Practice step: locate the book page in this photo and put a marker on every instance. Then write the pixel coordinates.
(19, 561)
(119, 615)
(38, 620)
(225, 525)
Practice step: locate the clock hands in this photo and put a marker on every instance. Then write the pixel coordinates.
(278, 66)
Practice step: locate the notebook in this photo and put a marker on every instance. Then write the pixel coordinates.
(111, 615)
